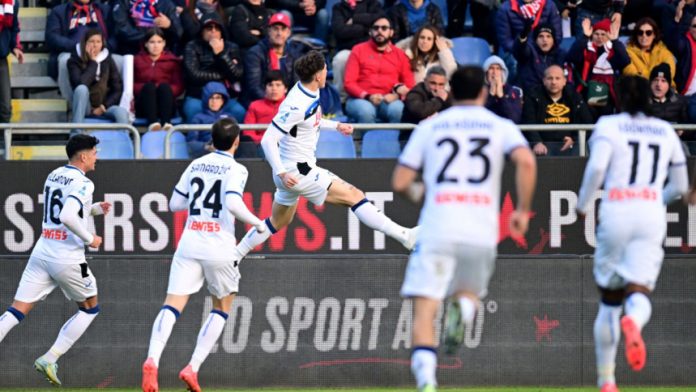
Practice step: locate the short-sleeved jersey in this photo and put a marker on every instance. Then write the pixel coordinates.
(57, 243)
(642, 149)
(462, 153)
(209, 231)
(299, 117)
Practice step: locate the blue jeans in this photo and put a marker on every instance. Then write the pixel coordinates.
(193, 106)
(82, 107)
(363, 111)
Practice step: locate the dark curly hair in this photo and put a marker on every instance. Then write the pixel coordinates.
(308, 65)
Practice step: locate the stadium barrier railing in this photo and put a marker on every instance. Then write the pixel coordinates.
(63, 128)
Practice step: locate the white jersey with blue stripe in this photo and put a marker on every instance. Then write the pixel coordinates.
(462, 153)
(299, 118)
(209, 230)
(57, 243)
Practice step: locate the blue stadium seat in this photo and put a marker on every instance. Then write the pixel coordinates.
(97, 120)
(470, 50)
(114, 144)
(624, 39)
(152, 145)
(334, 145)
(381, 143)
(141, 122)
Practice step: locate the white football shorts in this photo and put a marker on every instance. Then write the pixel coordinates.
(186, 277)
(41, 277)
(314, 187)
(629, 249)
(439, 269)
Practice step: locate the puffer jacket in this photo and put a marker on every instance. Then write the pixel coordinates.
(257, 63)
(643, 62)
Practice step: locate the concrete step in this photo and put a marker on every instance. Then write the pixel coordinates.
(33, 24)
(39, 110)
(33, 73)
(25, 153)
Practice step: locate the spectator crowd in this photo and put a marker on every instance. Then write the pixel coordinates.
(195, 61)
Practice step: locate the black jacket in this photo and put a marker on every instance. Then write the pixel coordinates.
(130, 36)
(105, 91)
(246, 17)
(540, 109)
(421, 104)
(347, 35)
(673, 110)
(201, 66)
(257, 63)
(398, 14)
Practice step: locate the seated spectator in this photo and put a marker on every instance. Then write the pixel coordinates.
(65, 26)
(248, 23)
(680, 37)
(426, 99)
(511, 19)
(504, 99)
(158, 80)
(408, 16)
(666, 104)
(132, 18)
(378, 77)
(535, 55)
(554, 103)
(275, 52)
(350, 24)
(9, 43)
(597, 60)
(310, 14)
(211, 58)
(646, 50)
(427, 48)
(96, 81)
(262, 111)
(213, 108)
(191, 17)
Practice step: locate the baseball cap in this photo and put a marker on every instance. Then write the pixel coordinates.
(280, 18)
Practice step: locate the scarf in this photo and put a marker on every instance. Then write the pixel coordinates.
(143, 12)
(82, 15)
(692, 71)
(602, 70)
(416, 17)
(6, 14)
(529, 10)
(352, 3)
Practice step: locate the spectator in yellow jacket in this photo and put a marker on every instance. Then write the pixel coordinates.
(646, 50)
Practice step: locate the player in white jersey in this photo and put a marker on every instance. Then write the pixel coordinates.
(631, 156)
(461, 153)
(211, 189)
(290, 144)
(58, 258)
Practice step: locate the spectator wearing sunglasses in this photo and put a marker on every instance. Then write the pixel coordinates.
(646, 50)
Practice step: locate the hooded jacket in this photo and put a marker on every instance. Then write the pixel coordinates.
(532, 61)
(643, 62)
(207, 116)
(402, 24)
(101, 77)
(202, 65)
(510, 104)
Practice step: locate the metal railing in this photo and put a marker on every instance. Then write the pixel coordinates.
(63, 128)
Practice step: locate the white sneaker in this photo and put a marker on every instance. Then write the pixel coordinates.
(411, 238)
(155, 126)
(167, 126)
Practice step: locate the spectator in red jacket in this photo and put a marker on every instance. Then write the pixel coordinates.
(157, 81)
(262, 111)
(378, 77)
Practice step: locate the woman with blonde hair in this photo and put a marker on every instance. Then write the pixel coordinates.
(427, 48)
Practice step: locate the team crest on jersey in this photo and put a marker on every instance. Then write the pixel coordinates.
(83, 190)
(284, 117)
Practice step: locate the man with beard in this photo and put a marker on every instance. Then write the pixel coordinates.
(378, 77)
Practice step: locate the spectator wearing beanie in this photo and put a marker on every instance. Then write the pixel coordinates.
(535, 55)
(596, 10)
(666, 104)
(504, 99)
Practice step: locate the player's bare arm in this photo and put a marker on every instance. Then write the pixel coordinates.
(525, 178)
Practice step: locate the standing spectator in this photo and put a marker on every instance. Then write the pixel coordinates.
(504, 99)
(215, 97)
(426, 99)
(408, 16)
(158, 80)
(667, 105)
(598, 58)
(554, 103)
(682, 44)
(262, 111)
(481, 17)
(276, 52)
(310, 14)
(595, 11)
(378, 77)
(511, 19)
(95, 80)
(646, 50)
(350, 24)
(211, 58)
(248, 23)
(133, 17)
(427, 48)
(9, 43)
(535, 55)
(191, 17)
(65, 26)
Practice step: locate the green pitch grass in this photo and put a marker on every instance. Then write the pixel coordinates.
(500, 389)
